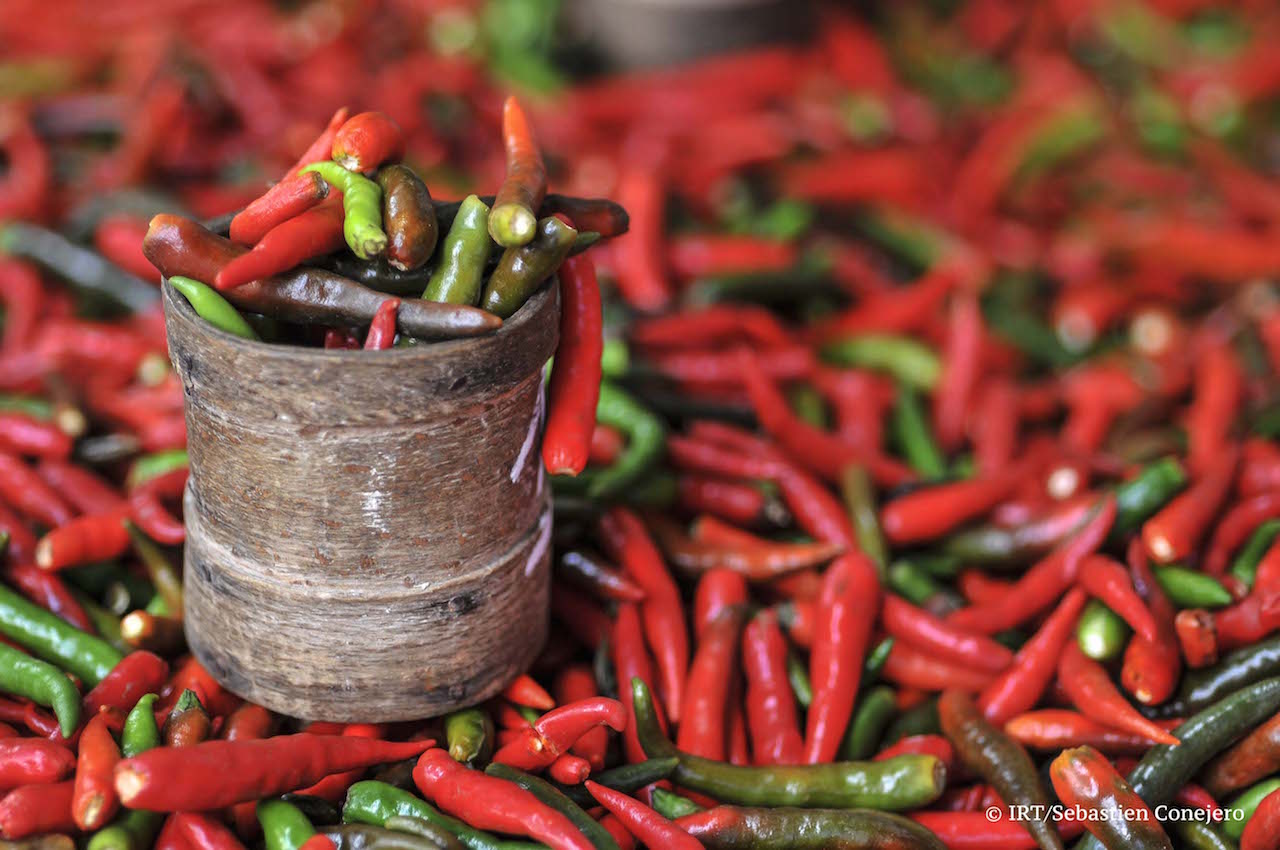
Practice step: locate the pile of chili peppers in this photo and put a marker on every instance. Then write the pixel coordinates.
(929, 498)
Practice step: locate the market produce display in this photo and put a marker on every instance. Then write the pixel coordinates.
(912, 428)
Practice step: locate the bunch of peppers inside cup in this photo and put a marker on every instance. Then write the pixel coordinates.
(916, 485)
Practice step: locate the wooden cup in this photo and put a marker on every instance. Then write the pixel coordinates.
(368, 532)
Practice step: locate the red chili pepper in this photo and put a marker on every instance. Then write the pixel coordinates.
(641, 278)
(513, 220)
(978, 588)
(292, 196)
(382, 330)
(579, 614)
(1082, 777)
(575, 375)
(248, 722)
(27, 492)
(81, 488)
(1091, 691)
(175, 780)
(1172, 534)
(190, 675)
(615, 828)
(23, 435)
(1151, 668)
(33, 761)
(702, 729)
(334, 787)
(911, 668)
(771, 706)
(1054, 729)
(94, 800)
(1045, 581)
(576, 683)
(486, 802)
(1235, 526)
(846, 614)
(1218, 388)
(524, 690)
(707, 255)
(319, 841)
(335, 338)
(202, 832)
(736, 502)
(49, 592)
(322, 148)
(783, 363)
(83, 540)
(23, 297)
(607, 445)
(928, 745)
(1259, 461)
(366, 141)
(569, 769)
(37, 810)
(138, 673)
(933, 511)
(975, 831)
(711, 326)
(555, 733)
(1022, 684)
(1109, 582)
(631, 661)
(719, 590)
(119, 239)
(627, 542)
(932, 635)
(1262, 831)
(961, 361)
(24, 189)
(310, 234)
(651, 828)
(890, 175)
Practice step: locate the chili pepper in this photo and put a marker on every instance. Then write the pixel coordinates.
(771, 711)
(284, 826)
(134, 828)
(846, 610)
(212, 307)
(926, 632)
(375, 803)
(1165, 769)
(590, 573)
(49, 592)
(361, 208)
(707, 689)
(575, 376)
(408, 217)
(442, 838)
(1108, 582)
(458, 275)
(202, 832)
(1254, 757)
(670, 804)
(896, 784)
(641, 278)
(1242, 808)
(140, 732)
(1144, 494)
(876, 708)
(643, 822)
(1172, 534)
(913, 583)
(33, 761)
(522, 269)
(1100, 633)
(1045, 581)
(492, 803)
(1054, 729)
(1190, 589)
(188, 723)
(514, 218)
(382, 330)
(94, 801)
(725, 827)
(859, 499)
(1245, 566)
(46, 635)
(912, 668)
(994, 545)
(469, 733)
(154, 465)
(80, 266)
(291, 197)
(933, 511)
(262, 767)
(36, 810)
(911, 363)
(998, 759)
(366, 141)
(136, 674)
(1083, 777)
(626, 540)
(547, 794)
(1263, 826)
(627, 778)
(311, 233)
(1090, 689)
(30, 437)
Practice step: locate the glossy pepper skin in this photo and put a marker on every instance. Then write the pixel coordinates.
(361, 208)
(782, 828)
(367, 140)
(515, 208)
(408, 217)
(459, 273)
(894, 785)
(523, 268)
(1083, 777)
(574, 391)
(998, 759)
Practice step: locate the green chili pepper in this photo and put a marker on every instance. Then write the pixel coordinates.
(910, 429)
(363, 836)
(603, 671)
(438, 835)
(1165, 769)
(902, 782)
(615, 358)
(1100, 632)
(140, 731)
(996, 546)
(918, 720)
(734, 828)
(106, 624)
(1197, 835)
(912, 363)
(808, 404)
(798, 677)
(1191, 589)
(284, 826)
(671, 805)
(459, 272)
(915, 585)
(523, 268)
(212, 307)
(41, 683)
(154, 465)
(469, 734)
(915, 241)
(860, 501)
(36, 408)
(135, 828)
(1144, 494)
(551, 796)
(48, 636)
(646, 437)
(1237, 669)
(1244, 805)
(998, 759)
(361, 208)
(876, 709)
(1245, 565)
(876, 659)
(375, 803)
(1024, 330)
(627, 778)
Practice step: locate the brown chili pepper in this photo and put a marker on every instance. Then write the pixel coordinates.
(1254, 757)
(408, 217)
(188, 723)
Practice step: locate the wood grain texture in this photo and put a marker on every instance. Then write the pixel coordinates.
(366, 531)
